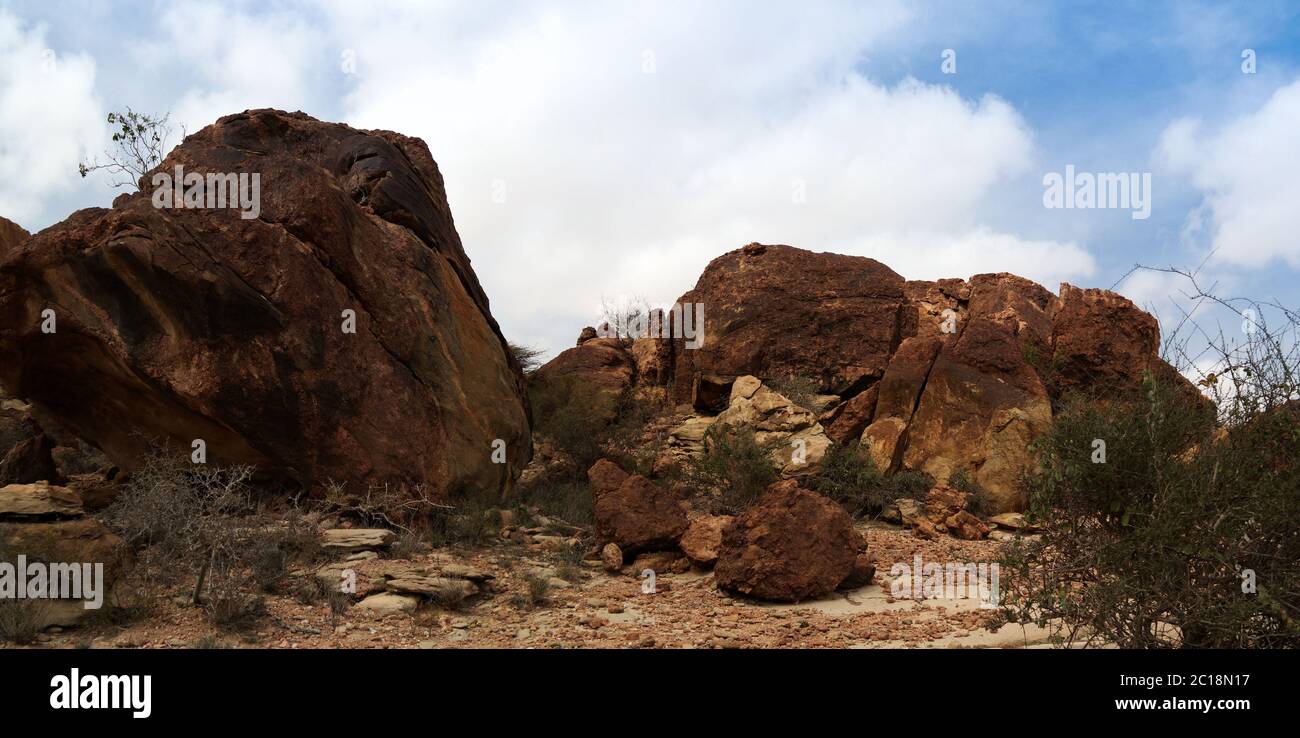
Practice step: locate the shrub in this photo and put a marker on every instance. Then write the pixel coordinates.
(569, 501)
(1171, 529)
(848, 475)
(474, 520)
(22, 620)
(573, 418)
(539, 588)
(528, 358)
(978, 500)
(800, 390)
(734, 467)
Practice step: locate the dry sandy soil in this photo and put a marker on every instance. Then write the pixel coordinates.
(596, 610)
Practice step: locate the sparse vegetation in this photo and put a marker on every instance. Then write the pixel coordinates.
(734, 468)
(1180, 530)
(848, 475)
(140, 142)
(978, 500)
(800, 390)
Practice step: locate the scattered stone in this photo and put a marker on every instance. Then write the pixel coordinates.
(611, 558)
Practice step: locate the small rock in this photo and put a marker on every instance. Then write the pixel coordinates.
(611, 557)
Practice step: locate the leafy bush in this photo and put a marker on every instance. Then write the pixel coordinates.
(734, 467)
(978, 500)
(573, 418)
(1172, 529)
(848, 475)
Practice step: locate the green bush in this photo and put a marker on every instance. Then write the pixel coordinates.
(978, 500)
(1171, 529)
(734, 468)
(848, 475)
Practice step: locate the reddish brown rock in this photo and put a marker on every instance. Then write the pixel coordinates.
(945, 511)
(197, 323)
(854, 416)
(1101, 339)
(793, 545)
(703, 538)
(611, 558)
(639, 516)
(605, 476)
(778, 311)
(29, 460)
(864, 571)
(11, 234)
(601, 369)
(585, 335)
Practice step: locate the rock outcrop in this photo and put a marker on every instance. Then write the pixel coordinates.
(945, 376)
(339, 334)
(793, 545)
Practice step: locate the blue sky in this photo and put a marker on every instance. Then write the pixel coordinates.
(600, 150)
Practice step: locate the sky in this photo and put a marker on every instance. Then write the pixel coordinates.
(599, 151)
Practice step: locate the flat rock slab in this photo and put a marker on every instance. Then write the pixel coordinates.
(39, 499)
(386, 602)
(357, 539)
(444, 590)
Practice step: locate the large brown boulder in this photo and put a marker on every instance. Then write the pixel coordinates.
(639, 516)
(600, 370)
(76, 541)
(777, 311)
(198, 323)
(793, 545)
(1101, 339)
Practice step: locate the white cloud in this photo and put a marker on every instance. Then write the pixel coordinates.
(621, 182)
(50, 119)
(1247, 173)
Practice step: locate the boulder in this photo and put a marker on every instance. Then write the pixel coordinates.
(448, 591)
(864, 571)
(945, 511)
(853, 416)
(1101, 339)
(703, 538)
(611, 558)
(191, 323)
(39, 500)
(605, 476)
(639, 516)
(777, 421)
(75, 541)
(793, 545)
(601, 369)
(389, 602)
(981, 408)
(776, 311)
(30, 460)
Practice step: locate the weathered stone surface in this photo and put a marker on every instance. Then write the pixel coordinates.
(443, 590)
(11, 234)
(864, 570)
(39, 499)
(776, 311)
(703, 538)
(185, 323)
(611, 558)
(639, 516)
(798, 440)
(80, 540)
(389, 602)
(793, 545)
(30, 460)
(1101, 339)
(601, 370)
(605, 476)
(357, 539)
(981, 408)
(854, 416)
(945, 511)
